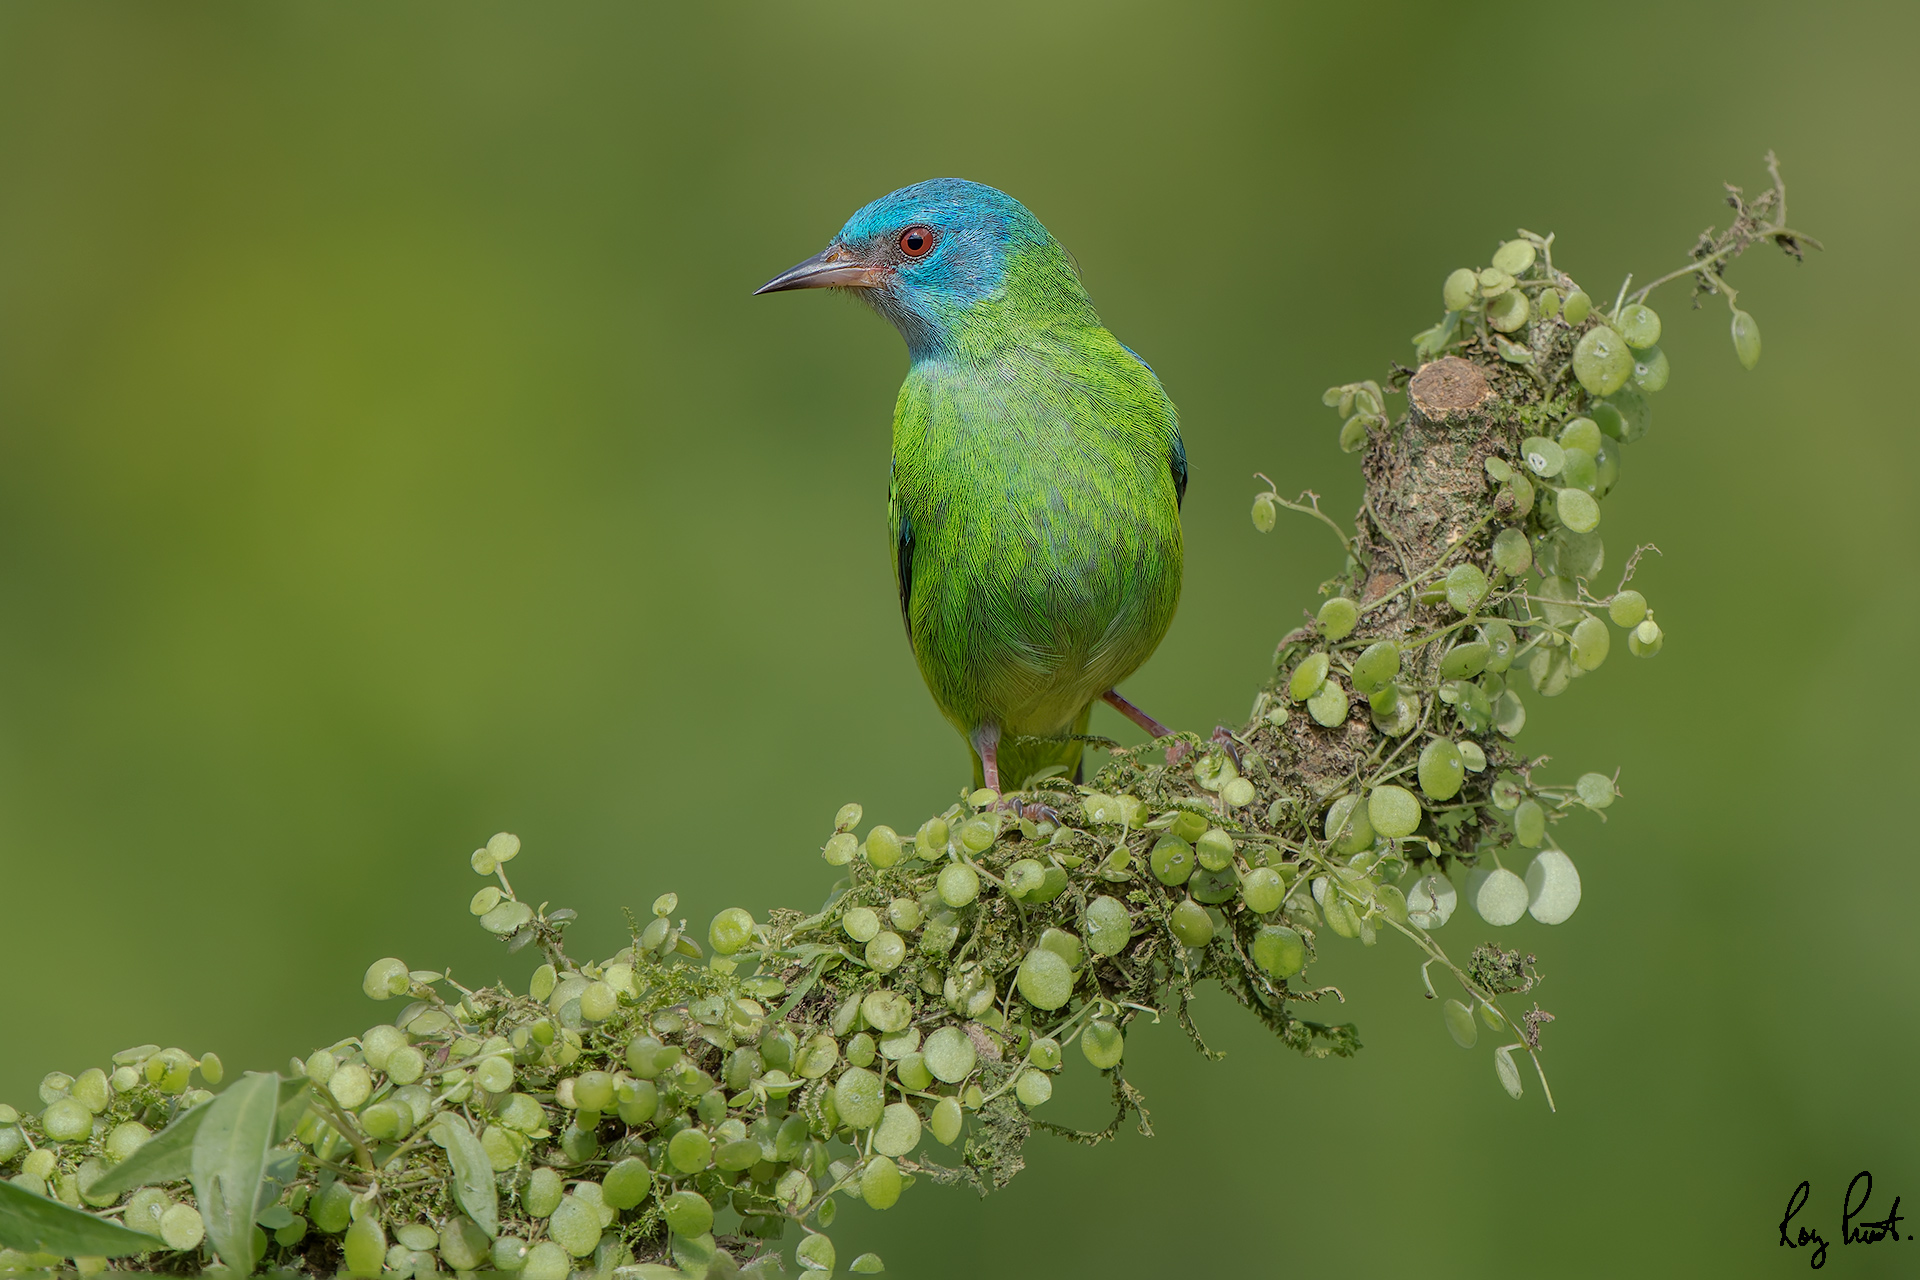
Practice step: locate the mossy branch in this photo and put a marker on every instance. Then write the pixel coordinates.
(676, 1108)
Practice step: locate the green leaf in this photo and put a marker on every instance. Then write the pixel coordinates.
(35, 1224)
(230, 1164)
(165, 1157)
(291, 1107)
(473, 1184)
(695, 1254)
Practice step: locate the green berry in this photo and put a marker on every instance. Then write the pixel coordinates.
(1577, 510)
(1329, 706)
(886, 1011)
(599, 1001)
(575, 1226)
(898, 1132)
(1337, 618)
(1746, 339)
(1263, 513)
(1064, 945)
(950, 1055)
(1576, 307)
(1639, 325)
(65, 1120)
(1627, 608)
(946, 1121)
(1514, 257)
(1579, 472)
(1033, 1088)
(1460, 1024)
(1045, 980)
(958, 884)
(123, 1140)
(1103, 1044)
(1591, 640)
(1645, 639)
(883, 847)
(1191, 924)
(1172, 860)
(840, 849)
(1461, 290)
(365, 1246)
(1279, 951)
(689, 1151)
(546, 1261)
(90, 1089)
(730, 931)
(1511, 553)
(859, 1097)
(386, 978)
(1651, 369)
(1377, 664)
(1543, 456)
(1582, 433)
(1553, 887)
(1501, 898)
(862, 924)
(1393, 811)
(1108, 926)
(593, 1091)
(544, 1189)
(405, 1065)
(1348, 825)
(977, 835)
(1442, 770)
(1529, 823)
(350, 1084)
(1602, 361)
(687, 1214)
(1466, 660)
(1466, 586)
(1214, 849)
(1308, 677)
(886, 952)
(1509, 311)
(1262, 890)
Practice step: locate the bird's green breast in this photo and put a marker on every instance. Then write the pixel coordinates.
(1036, 520)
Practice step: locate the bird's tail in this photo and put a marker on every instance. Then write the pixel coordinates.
(1024, 759)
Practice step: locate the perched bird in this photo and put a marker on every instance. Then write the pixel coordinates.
(1037, 473)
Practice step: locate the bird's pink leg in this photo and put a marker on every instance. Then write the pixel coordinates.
(986, 740)
(1135, 714)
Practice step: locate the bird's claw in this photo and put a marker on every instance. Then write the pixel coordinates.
(1222, 738)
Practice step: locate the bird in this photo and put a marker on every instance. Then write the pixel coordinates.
(1037, 477)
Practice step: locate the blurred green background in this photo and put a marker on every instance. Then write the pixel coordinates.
(390, 453)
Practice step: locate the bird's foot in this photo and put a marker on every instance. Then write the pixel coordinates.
(1222, 738)
(1031, 810)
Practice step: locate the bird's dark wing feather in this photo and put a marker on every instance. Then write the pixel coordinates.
(903, 571)
(1177, 462)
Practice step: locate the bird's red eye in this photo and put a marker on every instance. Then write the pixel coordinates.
(915, 241)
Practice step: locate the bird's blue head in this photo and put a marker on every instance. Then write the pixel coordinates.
(941, 258)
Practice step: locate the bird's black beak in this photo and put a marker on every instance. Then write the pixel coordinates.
(834, 266)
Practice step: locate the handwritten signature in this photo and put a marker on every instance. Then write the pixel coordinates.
(1851, 1232)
